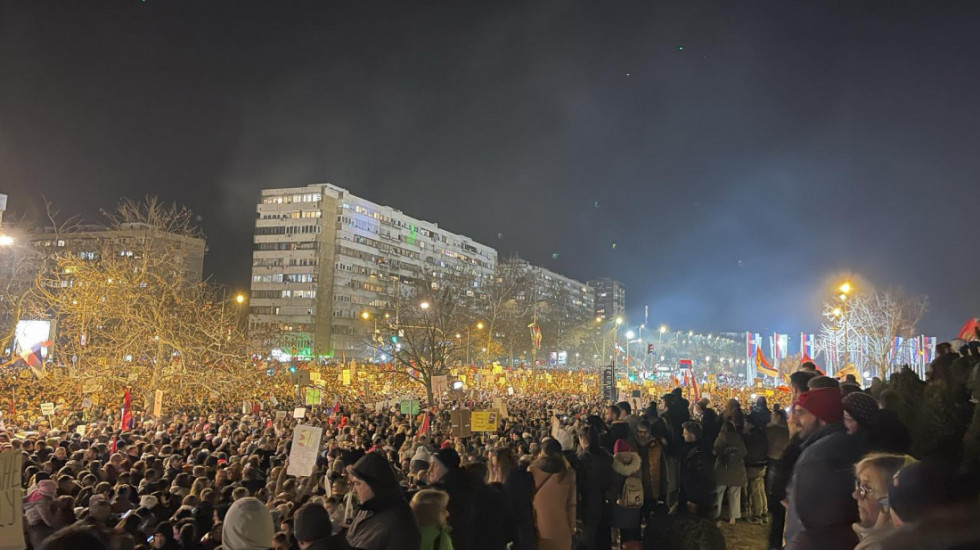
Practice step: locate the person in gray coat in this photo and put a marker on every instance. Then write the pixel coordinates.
(730, 470)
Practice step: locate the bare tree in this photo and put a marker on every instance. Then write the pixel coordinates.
(424, 337)
(136, 312)
(868, 325)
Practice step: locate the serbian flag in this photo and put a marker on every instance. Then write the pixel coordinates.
(425, 424)
(762, 364)
(127, 412)
(806, 345)
(34, 359)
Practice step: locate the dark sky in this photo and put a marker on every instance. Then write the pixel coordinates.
(743, 154)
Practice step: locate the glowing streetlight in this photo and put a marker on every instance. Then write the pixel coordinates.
(6, 240)
(365, 315)
(479, 326)
(630, 335)
(424, 305)
(240, 298)
(619, 321)
(663, 329)
(845, 288)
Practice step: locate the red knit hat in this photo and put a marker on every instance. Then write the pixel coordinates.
(824, 403)
(622, 446)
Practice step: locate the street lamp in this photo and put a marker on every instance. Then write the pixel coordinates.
(240, 298)
(845, 291)
(662, 330)
(424, 305)
(374, 335)
(6, 240)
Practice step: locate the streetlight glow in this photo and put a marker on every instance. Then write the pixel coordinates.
(663, 329)
(424, 305)
(6, 240)
(619, 320)
(365, 315)
(630, 335)
(240, 298)
(479, 326)
(845, 288)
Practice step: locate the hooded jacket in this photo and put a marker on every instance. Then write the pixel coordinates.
(385, 522)
(247, 526)
(821, 510)
(624, 465)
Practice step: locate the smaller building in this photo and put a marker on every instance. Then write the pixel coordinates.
(610, 298)
(89, 241)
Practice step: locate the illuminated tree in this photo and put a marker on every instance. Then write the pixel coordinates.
(421, 334)
(136, 311)
(869, 325)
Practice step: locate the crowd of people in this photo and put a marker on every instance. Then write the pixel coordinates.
(833, 470)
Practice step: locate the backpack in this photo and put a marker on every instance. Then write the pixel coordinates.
(632, 493)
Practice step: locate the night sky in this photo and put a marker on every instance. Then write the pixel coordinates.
(741, 155)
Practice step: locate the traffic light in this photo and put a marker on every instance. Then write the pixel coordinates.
(649, 348)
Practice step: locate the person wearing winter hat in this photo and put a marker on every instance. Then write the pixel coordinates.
(312, 528)
(445, 474)
(163, 537)
(420, 460)
(385, 521)
(247, 526)
(860, 412)
(821, 509)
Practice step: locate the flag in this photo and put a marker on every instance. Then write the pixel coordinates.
(762, 365)
(970, 330)
(751, 344)
(535, 335)
(32, 356)
(779, 344)
(806, 345)
(127, 415)
(425, 424)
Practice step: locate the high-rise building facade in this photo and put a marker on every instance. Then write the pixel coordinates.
(322, 257)
(575, 299)
(610, 298)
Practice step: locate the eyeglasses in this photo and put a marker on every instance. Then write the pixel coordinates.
(863, 489)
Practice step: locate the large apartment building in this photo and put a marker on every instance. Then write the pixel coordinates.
(323, 256)
(610, 298)
(575, 299)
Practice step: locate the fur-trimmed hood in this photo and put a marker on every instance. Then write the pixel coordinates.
(626, 464)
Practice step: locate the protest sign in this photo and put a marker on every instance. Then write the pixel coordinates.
(484, 421)
(461, 423)
(409, 406)
(47, 409)
(302, 454)
(280, 415)
(11, 507)
(299, 412)
(312, 397)
(440, 384)
(157, 402)
(498, 403)
(345, 377)
(80, 429)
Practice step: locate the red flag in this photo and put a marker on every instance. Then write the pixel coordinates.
(425, 425)
(694, 383)
(127, 415)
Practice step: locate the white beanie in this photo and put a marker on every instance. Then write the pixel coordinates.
(248, 526)
(422, 455)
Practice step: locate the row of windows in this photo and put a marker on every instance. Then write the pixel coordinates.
(287, 278)
(277, 294)
(309, 245)
(289, 199)
(291, 215)
(287, 229)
